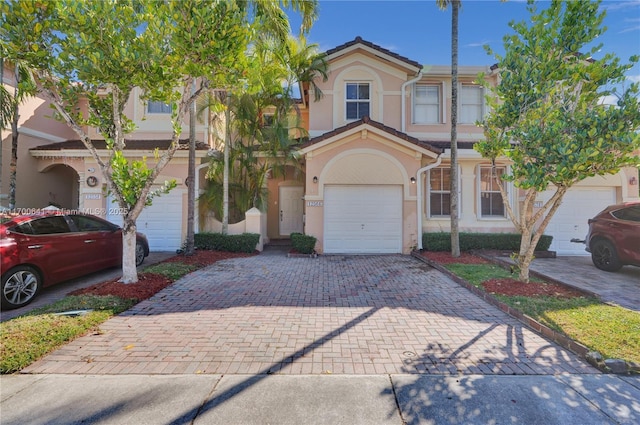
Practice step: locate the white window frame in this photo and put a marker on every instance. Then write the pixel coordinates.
(157, 102)
(479, 192)
(438, 104)
(461, 104)
(357, 100)
(429, 191)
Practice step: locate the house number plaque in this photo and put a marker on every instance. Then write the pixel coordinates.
(314, 203)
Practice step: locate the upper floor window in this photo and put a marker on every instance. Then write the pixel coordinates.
(491, 202)
(358, 100)
(268, 120)
(471, 104)
(158, 107)
(426, 104)
(439, 192)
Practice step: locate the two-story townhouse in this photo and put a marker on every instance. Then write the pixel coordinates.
(378, 161)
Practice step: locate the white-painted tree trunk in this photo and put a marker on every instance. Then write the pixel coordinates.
(129, 271)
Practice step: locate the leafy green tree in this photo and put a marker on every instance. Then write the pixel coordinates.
(95, 53)
(547, 116)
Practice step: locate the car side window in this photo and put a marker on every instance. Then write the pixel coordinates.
(24, 228)
(89, 224)
(631, 214)
(50, 225)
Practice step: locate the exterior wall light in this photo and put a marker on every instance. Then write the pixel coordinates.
(633, 181)
(413, 180)
(315, 179)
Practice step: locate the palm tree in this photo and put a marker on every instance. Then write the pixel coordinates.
(455, 237)
(24, 87)
(275, 67)
(273, 21)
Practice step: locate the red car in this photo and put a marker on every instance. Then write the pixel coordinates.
(614, 237)
(44, 249)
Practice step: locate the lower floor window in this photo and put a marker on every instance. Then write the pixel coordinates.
(491, 202)
(440, 192)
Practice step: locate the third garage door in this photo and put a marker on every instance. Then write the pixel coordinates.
(363, 219)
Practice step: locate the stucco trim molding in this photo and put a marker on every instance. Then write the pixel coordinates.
(329, 168)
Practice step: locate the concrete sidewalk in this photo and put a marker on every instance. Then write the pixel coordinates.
(319, 399)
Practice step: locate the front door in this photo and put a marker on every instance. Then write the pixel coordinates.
(291, 209)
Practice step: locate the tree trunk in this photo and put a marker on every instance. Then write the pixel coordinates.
(129, 271)
(225, 176)
(191, 178)
(523, 260)
(455, 237)
(13, 164)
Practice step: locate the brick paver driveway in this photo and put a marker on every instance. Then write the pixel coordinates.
(332, 314)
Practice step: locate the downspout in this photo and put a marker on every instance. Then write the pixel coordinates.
(419, 178)
(403, 106)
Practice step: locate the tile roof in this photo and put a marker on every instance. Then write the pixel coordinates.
(132, 144)
(359, 40)
(380, 126)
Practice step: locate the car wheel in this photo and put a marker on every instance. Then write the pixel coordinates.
(604, 256)
(139, 254)
(19, 287)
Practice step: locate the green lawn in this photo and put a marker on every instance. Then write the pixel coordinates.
(25, 339)
(612, 331)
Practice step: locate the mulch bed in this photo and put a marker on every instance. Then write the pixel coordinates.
(505, 286)
(150, 283)
(514, 287)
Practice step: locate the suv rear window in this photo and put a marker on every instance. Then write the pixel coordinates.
(631, 213)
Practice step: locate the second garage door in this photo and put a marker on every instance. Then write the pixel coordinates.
(161, 222)
(363, 219)
(570, 220)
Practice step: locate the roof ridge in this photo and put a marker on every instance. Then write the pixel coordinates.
(380, 126)
(360, 40)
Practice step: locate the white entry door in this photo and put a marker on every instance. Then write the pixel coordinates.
(291, 209)
(363, 219)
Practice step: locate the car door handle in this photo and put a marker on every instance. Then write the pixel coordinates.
(34, 246)
(89, 241)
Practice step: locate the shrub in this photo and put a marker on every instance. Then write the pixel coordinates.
(441, 241)
(304, 244)
(245, 242)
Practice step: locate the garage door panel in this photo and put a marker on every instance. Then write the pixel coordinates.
(570, 220)
(161, 222)
(363, 219)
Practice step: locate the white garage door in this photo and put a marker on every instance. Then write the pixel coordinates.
(161, 222)
(570, 220)
(362, 219)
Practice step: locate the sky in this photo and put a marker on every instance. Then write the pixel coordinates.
(420, 31)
